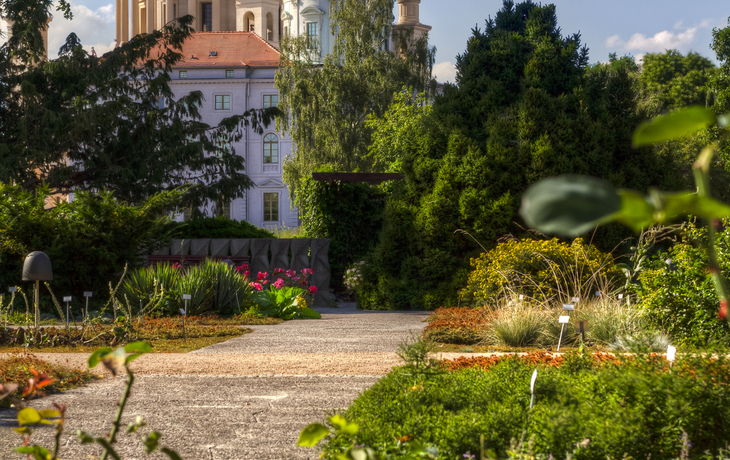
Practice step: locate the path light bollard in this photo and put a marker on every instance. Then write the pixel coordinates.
(87, 294)
(532, 389)
(37, 267)
(565, 319)
(67, 299)
(186, 297)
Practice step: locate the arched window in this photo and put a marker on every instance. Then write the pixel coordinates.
(271, 148)
(269, 26)
(249, 23)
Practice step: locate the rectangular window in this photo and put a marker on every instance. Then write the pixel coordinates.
(183, 74)
(207, 18)
(229, 74)
(222, 102)
(271, 207)
(271, 100)
(312, 35)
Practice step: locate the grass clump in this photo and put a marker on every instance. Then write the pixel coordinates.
(632, 406)
(17, 370)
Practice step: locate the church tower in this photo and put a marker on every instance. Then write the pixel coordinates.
(408, 16)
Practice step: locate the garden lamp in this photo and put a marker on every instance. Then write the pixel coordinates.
(37, 267)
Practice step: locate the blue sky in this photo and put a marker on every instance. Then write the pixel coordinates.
(624, 26)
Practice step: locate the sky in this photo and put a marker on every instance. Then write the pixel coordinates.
(634, 27)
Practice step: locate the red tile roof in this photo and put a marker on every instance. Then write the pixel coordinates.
(234, 49)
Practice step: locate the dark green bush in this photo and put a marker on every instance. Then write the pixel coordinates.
(349, 213)
(89, 240)
(218, 227)
(677, 292)
(634, 407)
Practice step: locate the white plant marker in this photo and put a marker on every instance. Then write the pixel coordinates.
(67, 299)
(575, 299)
(87, 294)
(522, 297)
(565, 320)
(532, 389)
(186, 297)
(671, 354)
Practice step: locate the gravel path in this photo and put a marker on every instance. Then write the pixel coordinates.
(246, 398)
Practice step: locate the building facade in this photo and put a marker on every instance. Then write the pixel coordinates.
(232, 59)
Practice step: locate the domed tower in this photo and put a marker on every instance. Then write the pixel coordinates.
(408, 16)
(262, 17)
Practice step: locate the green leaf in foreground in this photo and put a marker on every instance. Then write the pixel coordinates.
(674, 125)
(569, 205)
(29, 416)
(312, 434)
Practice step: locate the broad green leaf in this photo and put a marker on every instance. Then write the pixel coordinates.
(151, 441)
(49, 413)
(569, 205)
(312, 434)
(24, 450)
(674, 125)
(84, 438)
(724, 120)
(29, 416)
(672, 205)
(309, 313)
(636, 212)
(97, 356)
(170, 453)
(138, 347)
(358, 454)
(23, 430)
(108, 447)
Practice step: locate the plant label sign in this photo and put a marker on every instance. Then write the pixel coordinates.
(575, 299)
(522, 297)
(12, 289)
(182, 311)
(564, 319)
(620, 296)
(569, 307)
(187, 297)
(581, 326)
(67, 298)
(532, 382)
(671, 353)
(87, 293)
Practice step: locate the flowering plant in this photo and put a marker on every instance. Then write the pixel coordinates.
(353, 276)
(287, 293)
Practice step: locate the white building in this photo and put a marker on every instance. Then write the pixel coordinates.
(232, 60)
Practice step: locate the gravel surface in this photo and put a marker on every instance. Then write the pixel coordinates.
(246, 398)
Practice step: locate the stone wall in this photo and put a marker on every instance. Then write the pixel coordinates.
(265, 254)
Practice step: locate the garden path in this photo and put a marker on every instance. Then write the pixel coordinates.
(246, 398)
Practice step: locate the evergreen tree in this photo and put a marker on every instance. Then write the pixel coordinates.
(326, 105)
(80, 122)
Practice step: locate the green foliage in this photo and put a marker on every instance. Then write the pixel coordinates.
(634, 407)
(348, 213)
(327, 100)
(218, 227)
(214, 286)
(89, 240)
(539, 269)
(524, 108)
(677, 292)
(287, 302)
(81, 122)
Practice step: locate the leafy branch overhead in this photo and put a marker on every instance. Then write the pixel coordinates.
(570, 205)
(87, 123)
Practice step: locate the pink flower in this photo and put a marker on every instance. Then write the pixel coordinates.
(312, 289)
(278, 270)
(246, 273)
(263, 275)
(307, 271)
(290, 273)
(176, 266)
(256, 286)
(266, 281)
(303, 282)
(295, 279)
(278, 284)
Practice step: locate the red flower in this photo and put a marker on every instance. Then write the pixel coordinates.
(312, 289)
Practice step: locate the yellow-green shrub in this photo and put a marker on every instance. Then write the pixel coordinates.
(540, 270)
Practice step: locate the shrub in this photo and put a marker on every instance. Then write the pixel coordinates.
(540, 269)
(89, 240)
(218, 227)
(677, 292)
(519, 326)
(631, 406)
(457, 325)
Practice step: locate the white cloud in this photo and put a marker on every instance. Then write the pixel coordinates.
(444, 71)
(659, 42)
(93, 27)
